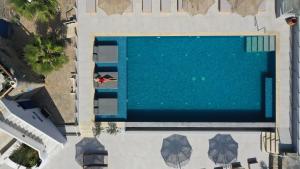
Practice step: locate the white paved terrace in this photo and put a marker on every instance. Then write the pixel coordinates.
(174, 23)
(141, 150)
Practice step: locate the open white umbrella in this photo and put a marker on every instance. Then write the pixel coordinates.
(111, 7)
(222, 149)
(195, 7)
(245, 7)
(176, 150)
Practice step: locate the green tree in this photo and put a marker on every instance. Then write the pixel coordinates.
(25, 156)
(41, 10)
(44, 55)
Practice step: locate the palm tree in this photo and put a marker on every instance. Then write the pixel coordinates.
(41, 10)
(44, 55)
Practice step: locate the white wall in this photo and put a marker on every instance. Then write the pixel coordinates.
(295, 87)
(32, 117)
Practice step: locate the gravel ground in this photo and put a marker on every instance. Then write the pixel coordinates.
(58, 84)
(5, 11)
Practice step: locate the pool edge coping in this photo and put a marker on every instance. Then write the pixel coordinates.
(271, 33)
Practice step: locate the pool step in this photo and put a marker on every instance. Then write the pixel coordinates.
(260, 43)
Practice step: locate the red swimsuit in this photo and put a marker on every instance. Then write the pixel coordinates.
(102, 80)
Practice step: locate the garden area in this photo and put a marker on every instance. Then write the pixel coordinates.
(40, 53)
(44, 53)
(25, 156)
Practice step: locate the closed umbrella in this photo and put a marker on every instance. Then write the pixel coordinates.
(245, 7)
(111, 7)
(195, 7)
(222, 149)
(176, 150)
(2, 81)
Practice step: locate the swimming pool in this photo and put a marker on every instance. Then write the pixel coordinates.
(196, 78)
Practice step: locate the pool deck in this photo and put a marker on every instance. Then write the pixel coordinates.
(133, 150)
(174, 23)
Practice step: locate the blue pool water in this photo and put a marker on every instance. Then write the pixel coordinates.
(203, 79)
(195, 79)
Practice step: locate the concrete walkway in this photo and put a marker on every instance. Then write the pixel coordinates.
(141, 150)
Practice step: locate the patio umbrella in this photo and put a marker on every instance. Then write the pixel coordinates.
(245, 7)
(111, 7)
(195, 7)
(222, 149)
(87, 145)
(176, 150)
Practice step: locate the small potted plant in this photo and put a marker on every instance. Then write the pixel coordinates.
(98, 129)
(291, 20)
(112, 128)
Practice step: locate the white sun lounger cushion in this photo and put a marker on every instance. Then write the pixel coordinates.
(147, 6)
(165, 5)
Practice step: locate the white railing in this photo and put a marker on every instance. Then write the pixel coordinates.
(23, 137)
(295, 62)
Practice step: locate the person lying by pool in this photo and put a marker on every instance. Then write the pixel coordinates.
(103, 79)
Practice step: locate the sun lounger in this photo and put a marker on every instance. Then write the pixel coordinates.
(165, 6)
(106, 53)
(179, 6)
(107, 106)
(91, 6)
(252, 160)
(95, 160)
(107, 85)
(147, 6)
(219, 167)
(95, 167)
(71, 30)
(252, 163)
(254, 166)
(236, 165)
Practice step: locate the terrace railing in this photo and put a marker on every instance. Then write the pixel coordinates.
(295, 86)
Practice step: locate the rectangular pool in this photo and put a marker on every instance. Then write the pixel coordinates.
(197, 79)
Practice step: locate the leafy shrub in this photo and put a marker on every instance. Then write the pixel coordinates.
(112, 128)
(42, 10)
(25, 156)
(44, 55)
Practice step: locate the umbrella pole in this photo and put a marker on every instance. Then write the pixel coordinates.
(178, 161)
